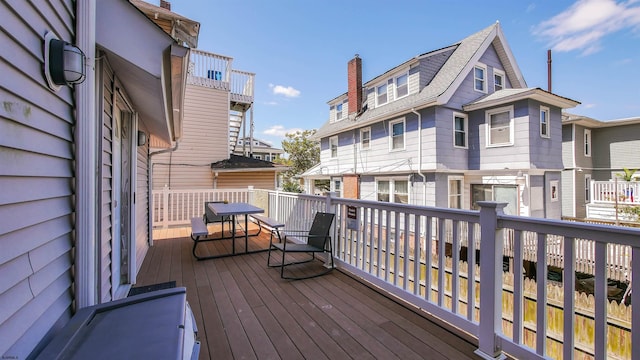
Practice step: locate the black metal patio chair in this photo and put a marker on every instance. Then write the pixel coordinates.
(316, 240)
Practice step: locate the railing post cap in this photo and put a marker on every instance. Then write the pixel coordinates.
(492, 204)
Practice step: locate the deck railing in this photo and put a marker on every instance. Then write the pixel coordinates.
(415, 253)
(215, 71)
(615, 191)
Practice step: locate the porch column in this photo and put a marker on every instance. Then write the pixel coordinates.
(491, 246)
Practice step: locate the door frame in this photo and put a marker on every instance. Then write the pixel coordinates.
(121, 103)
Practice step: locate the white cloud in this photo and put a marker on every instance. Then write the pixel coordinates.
(270, 103)
(279, 131)
(287, 91)
(583, 25)
(531, 7)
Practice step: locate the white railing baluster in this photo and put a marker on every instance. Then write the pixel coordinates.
(518, 294)
(442, 245)
(600, 295)
(471, 272)
(541, 296)
(417, 249)
(455, 272)
(428, 257)
(568, 282)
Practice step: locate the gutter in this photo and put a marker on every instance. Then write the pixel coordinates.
(424, 178)
(150, 189)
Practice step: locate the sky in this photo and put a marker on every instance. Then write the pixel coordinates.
(299, 49)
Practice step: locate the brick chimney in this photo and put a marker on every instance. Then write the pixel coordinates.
(165, 5)
(354, 69)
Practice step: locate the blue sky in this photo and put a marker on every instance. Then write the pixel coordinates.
(299, 49)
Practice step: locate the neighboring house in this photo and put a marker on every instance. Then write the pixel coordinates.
(218, 104)
(258, 148)
(241, 172)
(74, 192)
(595, 150)
(446, 128)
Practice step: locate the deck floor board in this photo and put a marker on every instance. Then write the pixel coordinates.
(243, 309)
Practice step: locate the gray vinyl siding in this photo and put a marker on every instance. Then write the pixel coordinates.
(553, 208)
(466, 93)
(616, 147)
(142, 201)
(493, 158)
(448, 156)
(106, 80)
(581, 160)
(568, 146)
(544, 152)
(37, 181)
(569, 190)
(205, 140)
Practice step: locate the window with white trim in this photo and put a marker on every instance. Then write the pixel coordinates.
(587, 188)
(365, 138)
(480, 78)
(498, 79)
(396, 130)
(554, 190)
(402, 86)
(338, 112)
(455, 191)
(587, 142)
(460, 130)
(336, 186)
(381, 94)
(544, 121)
(393, 190)
(333, 146)
(500, 126)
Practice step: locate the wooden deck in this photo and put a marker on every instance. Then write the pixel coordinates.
(244, 310)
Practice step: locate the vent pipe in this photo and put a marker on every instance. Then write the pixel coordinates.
(549, 70)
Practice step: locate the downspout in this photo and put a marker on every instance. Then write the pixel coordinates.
(355, 153)
(86, 158)
(424, 178)
(150, 190)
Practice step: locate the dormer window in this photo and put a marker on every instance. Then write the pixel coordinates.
(402, 86)
(339, 112)
(498, 80)
(480, 78)
(381, 94)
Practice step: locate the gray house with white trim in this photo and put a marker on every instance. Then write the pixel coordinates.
(594, 150)
(446, 128)
(74, 185)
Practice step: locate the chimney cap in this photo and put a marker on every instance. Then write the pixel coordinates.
(356, 55)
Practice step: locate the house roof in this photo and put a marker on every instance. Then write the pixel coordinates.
(236, 163)
(568, 118)
(184, 29)
(150, 65)
(510, 95)
(465, 55)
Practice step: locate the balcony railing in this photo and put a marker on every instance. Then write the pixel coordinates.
(611, 192)
(215, 71)
(437, 259)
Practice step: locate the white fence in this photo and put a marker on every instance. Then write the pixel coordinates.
(413, 252)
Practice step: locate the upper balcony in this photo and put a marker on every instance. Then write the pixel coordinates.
(526, 287)
(215, 71)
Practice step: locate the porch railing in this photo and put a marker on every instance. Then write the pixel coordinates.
(615, 191)
(437, 259)
(215, 71)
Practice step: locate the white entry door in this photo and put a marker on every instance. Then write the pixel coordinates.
(121, 244)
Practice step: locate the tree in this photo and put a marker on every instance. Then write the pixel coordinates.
(628, 174)
(303, 152)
